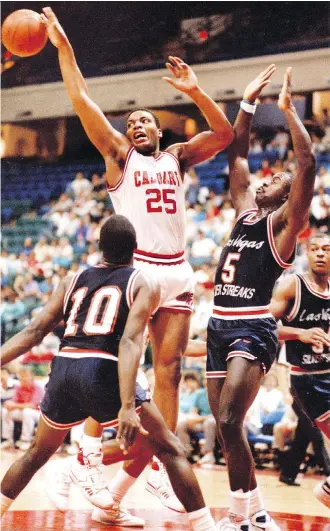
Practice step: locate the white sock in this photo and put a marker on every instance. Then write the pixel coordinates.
(5, 503)
(256, 503)
(90, 445)
(239, 503)
(201, 520)
(120, 484)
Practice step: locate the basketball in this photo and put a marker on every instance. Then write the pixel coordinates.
(23, 33)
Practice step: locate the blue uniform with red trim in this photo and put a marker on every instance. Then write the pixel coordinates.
(241, 324)
(310, 365)
(84, 375)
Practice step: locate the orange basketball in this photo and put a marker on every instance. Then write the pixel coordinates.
(23, 34)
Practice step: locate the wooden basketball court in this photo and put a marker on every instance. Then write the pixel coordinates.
(294, 508)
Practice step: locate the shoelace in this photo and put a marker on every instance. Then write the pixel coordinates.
(95, 474)
(166, 480)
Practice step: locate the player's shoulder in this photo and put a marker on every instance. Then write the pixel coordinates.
(287, 284)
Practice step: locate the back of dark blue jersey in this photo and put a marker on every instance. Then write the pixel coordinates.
(248, 269)
(96, 308)
(311, 309)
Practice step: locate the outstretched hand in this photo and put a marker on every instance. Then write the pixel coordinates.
(284, 99)
(54, 29)
(184, 78)
(254, 88)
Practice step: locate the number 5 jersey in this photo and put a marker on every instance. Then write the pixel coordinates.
(248, 269)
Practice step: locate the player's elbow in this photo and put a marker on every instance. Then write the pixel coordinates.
(225, 137)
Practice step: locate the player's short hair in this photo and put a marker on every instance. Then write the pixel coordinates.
(318, 236)
(156, 119)
(117, 240)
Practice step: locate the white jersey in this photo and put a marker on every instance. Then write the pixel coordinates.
(151, 195)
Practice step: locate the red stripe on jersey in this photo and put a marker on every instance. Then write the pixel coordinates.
(115, 188)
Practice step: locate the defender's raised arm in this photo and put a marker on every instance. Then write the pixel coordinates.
(239, 173)
(209, 143)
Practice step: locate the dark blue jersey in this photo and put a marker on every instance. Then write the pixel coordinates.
(96, 308)
(248, 269)
(310, 309)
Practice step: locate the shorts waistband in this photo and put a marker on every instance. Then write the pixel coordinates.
(78, 353)
(248, 312)
(298, 371)
(159, 259)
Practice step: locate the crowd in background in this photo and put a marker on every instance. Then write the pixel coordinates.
(70, 246)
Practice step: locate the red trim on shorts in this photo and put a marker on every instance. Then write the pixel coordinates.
(160, 256)
(239, 313)
(58, 426)
(216, 374)
(114, 423)
(240, 354)
(183, 309)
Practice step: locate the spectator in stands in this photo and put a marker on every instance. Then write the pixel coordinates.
(59, 275)
(27, 246)
(255, 143)
(271, 398)
(322, 178)
(189, 385)
(325, 118)
(30, 287)
(80, 185)
(277, 166)
(194, 420)
(193, 188)
(83, 265)
(64, 253)
(84, 204)
(265, 169)
(280, 142)
(202, 249)
(45, 351)
(22, 407)
(46, 288)
(320, 209)
(7, 385)
(98, 184)
(94, 256)
(319, 146)
(41, 249)
(11, 306)
(284, 430)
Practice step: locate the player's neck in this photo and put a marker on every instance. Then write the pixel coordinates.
(322, 281)
(265, 211)
(110, 264)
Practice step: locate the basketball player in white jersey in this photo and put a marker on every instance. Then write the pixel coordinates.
(146, 185)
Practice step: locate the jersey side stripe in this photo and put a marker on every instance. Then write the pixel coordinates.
(271, 240)
(297, 300)
(121, 180)
(130, 287)
(177, 161)
(70, 290)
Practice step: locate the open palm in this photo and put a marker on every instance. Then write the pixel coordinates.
(184, 78)
(284, 99)
(54, 29)
(254, 88)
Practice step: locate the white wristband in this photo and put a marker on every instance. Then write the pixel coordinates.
(248, 107)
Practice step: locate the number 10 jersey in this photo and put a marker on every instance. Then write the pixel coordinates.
(96, 307)
(151, 195)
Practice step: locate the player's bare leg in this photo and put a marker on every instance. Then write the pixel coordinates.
(169, 338)
(230, 398)
(322, 490)
(45, 444)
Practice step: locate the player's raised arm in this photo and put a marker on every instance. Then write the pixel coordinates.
(39, 327)
(209, 143)
(146, 301)
(295, 211)
(107, 140)
(239, 173)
